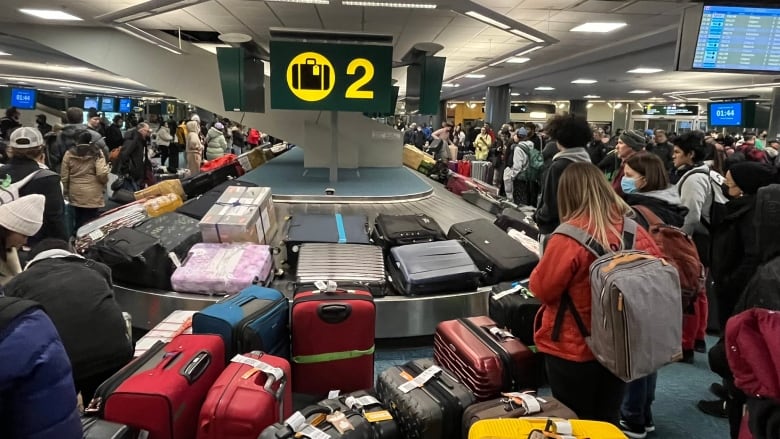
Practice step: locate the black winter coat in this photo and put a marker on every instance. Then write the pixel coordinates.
(671, 214)
(131, 160)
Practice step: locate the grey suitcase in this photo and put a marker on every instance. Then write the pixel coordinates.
(336, 228)
(349, 265)
(482, 170)
(432, 267)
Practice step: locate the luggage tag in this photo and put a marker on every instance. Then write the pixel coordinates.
(420, 380)
(266, 368)
(525, 400)
(502, 334)
(340, 422)
(365, 401)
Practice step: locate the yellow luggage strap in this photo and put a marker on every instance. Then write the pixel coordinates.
(332, 356)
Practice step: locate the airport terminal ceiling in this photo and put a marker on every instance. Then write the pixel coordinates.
(481, 41)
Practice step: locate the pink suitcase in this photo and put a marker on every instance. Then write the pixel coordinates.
(223, 268)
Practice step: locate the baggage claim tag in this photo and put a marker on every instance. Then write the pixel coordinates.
(528, 402)
(365, 401)
(420, 380)
(266, 368)
(340, 422)
(314, 433)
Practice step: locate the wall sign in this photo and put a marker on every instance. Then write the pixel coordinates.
(330, 76)
(671, 110)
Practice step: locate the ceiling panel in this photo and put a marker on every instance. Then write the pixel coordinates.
(549, 4)
(342, 18)
(653, 7)
(296, 15)
(600, 6)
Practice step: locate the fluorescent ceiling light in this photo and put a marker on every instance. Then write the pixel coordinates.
(518, 60)
(544, 88)
(311, 2)
(640, 92)
(527, 51)
(4, 53)
(450, 85)
(487, 20)
(389, 5)
(597, 27)
(210, 47)
(645, 70)
(50, 14)
(584, 81)
(526, 35)
(538, 115)
(590, 104)
(474, 76)
(618, 105)
(591, 97)
(515, 94)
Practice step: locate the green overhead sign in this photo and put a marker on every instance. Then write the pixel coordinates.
(331, 76)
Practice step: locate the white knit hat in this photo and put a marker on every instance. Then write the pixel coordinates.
(23, 215)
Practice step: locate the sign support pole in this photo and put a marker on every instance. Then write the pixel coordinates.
(334, 147)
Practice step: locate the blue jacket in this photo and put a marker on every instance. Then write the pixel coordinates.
(37, 395)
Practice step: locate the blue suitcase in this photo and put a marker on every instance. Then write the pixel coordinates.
(310, 228)
(256, 319)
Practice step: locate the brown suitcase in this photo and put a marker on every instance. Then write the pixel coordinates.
(487, 359)
(513, 406)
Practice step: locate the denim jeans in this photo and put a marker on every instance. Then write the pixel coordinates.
(638, 399)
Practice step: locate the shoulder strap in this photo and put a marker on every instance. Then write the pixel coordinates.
(651, 218)
(629, 233)
(582, 237)
(567, 304)
(685, 177)
(10, 307)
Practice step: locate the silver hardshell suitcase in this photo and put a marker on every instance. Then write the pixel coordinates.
(482, 171)
(349, 265)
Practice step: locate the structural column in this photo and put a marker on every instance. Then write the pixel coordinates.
(497, 102)
(774, 115)
(578, 107)
(621, 114)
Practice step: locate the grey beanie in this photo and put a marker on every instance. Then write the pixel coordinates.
(634, 139)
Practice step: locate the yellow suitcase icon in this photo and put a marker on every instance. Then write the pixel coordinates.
(543, 428)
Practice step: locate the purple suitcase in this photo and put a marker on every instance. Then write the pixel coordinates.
(453, 165)
(223, 268)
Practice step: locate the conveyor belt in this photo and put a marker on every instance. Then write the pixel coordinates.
(397, 316)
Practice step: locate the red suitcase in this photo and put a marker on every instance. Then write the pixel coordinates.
(487, 359)
(251, 394)
(457, 184)
(164, 396)
(333, 341)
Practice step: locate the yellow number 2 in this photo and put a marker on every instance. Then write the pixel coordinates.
(354, 91)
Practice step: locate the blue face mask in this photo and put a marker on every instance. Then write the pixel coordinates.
(628, 185)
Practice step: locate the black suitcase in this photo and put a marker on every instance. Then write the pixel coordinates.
(520, 220)
(766, 220)
(432, 267)
(197, 207)
(366, 403)
(512, 306)
(394, 230)
(316, 424)
(499, 257)
(95, 428)
(205, 181)
(483, 201)
(431, 411)
(315, 228)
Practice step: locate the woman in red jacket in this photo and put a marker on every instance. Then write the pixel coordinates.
(585, 200)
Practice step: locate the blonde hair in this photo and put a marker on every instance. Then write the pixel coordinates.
(583, 192)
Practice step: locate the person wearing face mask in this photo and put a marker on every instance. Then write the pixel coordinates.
(19, 220)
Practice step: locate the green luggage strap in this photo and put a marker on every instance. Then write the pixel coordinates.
(332, 356)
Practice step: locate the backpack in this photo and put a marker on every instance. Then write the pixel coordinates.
(679, 250)
(718, 206)
(534, 167)
(636, 317)
(9, 190)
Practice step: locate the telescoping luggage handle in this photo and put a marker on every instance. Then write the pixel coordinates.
(272, 374)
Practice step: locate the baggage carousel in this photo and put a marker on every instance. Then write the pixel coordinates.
(397, 316)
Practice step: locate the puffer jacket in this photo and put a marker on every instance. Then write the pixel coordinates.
(84, 176)
(37, 394)
(565, 266)
(216, 145)
(193, 138)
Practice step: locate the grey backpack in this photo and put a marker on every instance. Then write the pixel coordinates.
(636, 317)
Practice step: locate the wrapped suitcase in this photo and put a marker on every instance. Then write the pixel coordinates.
(95, 428)
(514, 307)
(366, 403)
(425, 400)
(518, 219)
(499, 258)
(484, 201)
(412, 156)
(338, 228)
(198, 207)
(199, 184)
(432, 267)
(394, 230)
(333, 340)
(515, 405)
(482, 170)
(457, 184)
(163, 204)
(164, 393)
(252, 393)
(487, 359)
(318, 421)
(161, 188)
(223, 268)
(218, 162)
(522, 428)
(349, 265)
(126, 215)
(253, 320)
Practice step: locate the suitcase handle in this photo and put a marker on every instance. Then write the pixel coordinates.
(334, 313)
(196, 366)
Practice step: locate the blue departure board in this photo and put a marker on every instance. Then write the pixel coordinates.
(738, 38)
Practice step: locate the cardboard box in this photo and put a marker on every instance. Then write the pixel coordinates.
(253, 158)
(241, 214)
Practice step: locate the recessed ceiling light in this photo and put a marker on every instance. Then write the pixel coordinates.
(487, 20)
(597, 27)
(584, 81)
(474, 76)
(645, 70)
(526, 35)
(50, 14)
(544, 88)
(640, 92)
(591, 97)
(515, 94)
(527, 51)
(450, 85)
(518, 60)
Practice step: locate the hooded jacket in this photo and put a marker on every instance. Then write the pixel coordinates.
(565, 267)
(164, 136)
(216, 144)
(84, 176)
(66, 139)
(697, 191)
(193, 137)
(664, 203)
(82, 308)
(519, 157)
(39, 398)
(546, 216)
(131, 159)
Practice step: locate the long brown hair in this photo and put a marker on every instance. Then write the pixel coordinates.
(583, 192)
(652, 168)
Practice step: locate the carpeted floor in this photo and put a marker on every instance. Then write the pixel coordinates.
(680, 386)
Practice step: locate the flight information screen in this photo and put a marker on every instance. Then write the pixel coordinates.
(738, 38)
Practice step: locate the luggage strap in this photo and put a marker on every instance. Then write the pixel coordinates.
(332, 356)
(340, 229)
